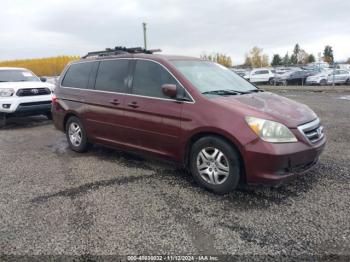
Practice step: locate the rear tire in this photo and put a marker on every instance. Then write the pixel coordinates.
(2, 120)
(215, 164)
(271, 81)
(76, 135)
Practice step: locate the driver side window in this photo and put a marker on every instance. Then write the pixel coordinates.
(149, 78)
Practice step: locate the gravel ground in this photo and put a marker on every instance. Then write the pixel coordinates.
(54, 201)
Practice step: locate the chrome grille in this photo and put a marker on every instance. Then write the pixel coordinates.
(33, 92)
(313, 131)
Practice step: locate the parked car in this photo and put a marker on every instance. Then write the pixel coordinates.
(339, 77)
(197, 113)
(242, 72)
(52, 79)
(344, 66)
(293, 77)
(262, 75)
(22, 93)
(319, 79)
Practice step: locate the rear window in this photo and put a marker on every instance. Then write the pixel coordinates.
(112, 76)
(77, 75)
(261, 72)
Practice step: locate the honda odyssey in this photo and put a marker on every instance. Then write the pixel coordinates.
(197, 113)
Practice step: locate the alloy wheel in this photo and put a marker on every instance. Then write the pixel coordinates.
(75, 135)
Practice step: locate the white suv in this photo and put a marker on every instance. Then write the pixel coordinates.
(262, 75)
(22, 93)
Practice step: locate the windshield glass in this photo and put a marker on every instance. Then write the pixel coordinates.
(208, 76)
(17, 76)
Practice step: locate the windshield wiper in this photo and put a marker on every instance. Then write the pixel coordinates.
(224, 92)
(254, 91)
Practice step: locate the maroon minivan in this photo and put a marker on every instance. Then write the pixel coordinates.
(194, 112)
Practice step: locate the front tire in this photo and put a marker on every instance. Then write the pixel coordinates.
(215, 164)
(2, 119)
(323, 82)
(76, 135)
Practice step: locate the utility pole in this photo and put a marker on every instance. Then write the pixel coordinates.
(144, 35)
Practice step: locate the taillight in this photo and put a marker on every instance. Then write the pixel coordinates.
(54, 99)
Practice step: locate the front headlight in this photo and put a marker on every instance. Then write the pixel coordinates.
(6, 92)
(270, 131)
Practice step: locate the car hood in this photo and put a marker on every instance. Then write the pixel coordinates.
(24, 85)
(270, 106)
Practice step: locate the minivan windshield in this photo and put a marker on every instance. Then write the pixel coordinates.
(17, 76)
(210, 78)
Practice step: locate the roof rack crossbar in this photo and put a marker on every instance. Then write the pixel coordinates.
(119, 50)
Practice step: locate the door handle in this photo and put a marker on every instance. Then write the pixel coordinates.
(133, 105)
(114, 102)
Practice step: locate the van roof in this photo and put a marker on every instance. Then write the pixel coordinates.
(133, 52)
(144, 56)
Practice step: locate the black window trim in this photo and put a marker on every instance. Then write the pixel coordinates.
(129, 72)
(133, 67)
(88, 87)
(130, 81)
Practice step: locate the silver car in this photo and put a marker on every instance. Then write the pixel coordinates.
(319, 79)
(339, 77)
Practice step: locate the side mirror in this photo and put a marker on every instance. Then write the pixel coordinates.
(170, 90)
(43, 79)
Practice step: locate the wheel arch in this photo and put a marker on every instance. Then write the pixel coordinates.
(66, 117)
(196, 136)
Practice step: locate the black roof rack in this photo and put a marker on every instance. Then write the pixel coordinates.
(119, 50)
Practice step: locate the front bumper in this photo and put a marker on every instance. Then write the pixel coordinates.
(25, 105)
(267, 163)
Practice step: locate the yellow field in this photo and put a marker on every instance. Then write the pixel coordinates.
(50, 66)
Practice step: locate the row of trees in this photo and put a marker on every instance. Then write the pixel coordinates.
(51, 66)
(257, 58)
(301, 57)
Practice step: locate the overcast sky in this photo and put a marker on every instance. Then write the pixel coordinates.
(41, 28)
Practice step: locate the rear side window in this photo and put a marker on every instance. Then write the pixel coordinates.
(77, 75)
(112, 76)
(149, 78)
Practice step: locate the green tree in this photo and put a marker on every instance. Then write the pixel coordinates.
(218, 58)
(293, 59)
(276, 60)
(299, 55)
(311, 58)
(286, 60)
(328, 54)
